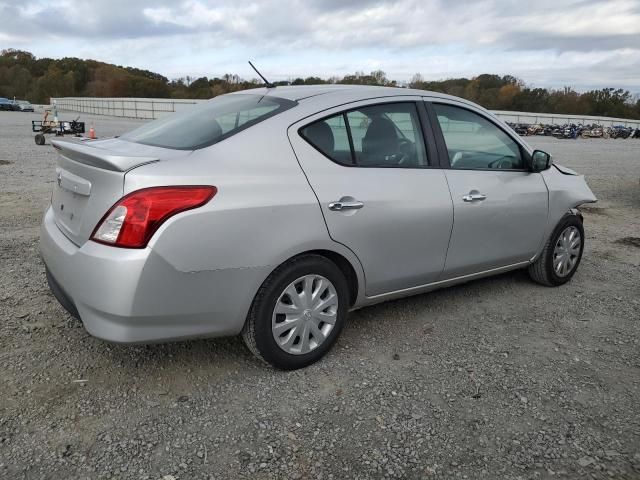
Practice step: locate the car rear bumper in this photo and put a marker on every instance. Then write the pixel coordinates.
(61, 295)
(136, 296)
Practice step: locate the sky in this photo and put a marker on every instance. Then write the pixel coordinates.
(548, 43)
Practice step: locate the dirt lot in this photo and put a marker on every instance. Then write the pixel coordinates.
(498, 378)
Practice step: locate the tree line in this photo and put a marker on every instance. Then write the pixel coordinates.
(24, 76)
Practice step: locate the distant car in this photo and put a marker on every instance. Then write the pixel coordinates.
(274, 212)
(5, 104)
(14, 106)
(24, 106)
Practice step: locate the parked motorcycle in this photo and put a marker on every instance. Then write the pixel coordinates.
(594, 131)
(569, 130)
(521, 130)
(535, 130)
(620, 131)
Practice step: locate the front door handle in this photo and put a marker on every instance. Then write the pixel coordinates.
(345, 205)
(473, 197)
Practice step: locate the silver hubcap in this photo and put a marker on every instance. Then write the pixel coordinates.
(305, 314)
(567, 251)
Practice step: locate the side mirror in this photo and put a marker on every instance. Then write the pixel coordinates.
(540, 161)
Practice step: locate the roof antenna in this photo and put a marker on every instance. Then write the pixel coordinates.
(266, 82)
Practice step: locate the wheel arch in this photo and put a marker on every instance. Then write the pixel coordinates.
(568, 213)
(346, 261)
(345, 267)
(567, 191)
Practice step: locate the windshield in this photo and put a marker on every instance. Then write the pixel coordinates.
(208, 123)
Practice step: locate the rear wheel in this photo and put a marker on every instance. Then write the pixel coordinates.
(298, 313)
(561, 255)
(39, 139)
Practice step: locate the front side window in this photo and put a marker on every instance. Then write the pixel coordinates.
(208, 123)
(386, 135)
(473, 142)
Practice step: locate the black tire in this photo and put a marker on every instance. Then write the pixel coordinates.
(542, 271)
(39, 139)
(257, 333)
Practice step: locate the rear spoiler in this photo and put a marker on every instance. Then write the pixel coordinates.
(99, 158)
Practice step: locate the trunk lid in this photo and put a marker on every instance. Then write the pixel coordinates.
(90, 179)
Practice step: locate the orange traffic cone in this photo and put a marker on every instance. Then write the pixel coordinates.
(92, 133)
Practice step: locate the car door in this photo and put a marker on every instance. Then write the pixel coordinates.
(380, 188)
(500, 207)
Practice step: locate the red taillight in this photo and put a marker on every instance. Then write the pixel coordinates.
(132, 221)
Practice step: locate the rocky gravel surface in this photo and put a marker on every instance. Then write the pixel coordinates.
(498, 378)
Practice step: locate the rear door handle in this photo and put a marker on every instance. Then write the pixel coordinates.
(473, 197)
(345, 205)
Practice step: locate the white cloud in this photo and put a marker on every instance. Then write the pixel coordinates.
(580, 42)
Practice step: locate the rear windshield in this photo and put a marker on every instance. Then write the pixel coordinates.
(208, 123)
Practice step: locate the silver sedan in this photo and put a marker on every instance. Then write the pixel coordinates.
(272, 213)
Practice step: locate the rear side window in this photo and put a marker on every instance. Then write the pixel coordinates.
(386, 135)
(331, 137)
(208, 123)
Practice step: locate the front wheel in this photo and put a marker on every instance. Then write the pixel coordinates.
(298, 313)
(561, 255)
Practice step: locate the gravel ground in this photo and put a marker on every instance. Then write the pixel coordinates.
(498, 378)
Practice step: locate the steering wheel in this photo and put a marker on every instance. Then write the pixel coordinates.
(406, 150)
(501, 163)
(456, 158)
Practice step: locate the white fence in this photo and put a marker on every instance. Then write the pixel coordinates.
(148, 108)
(144, 108)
